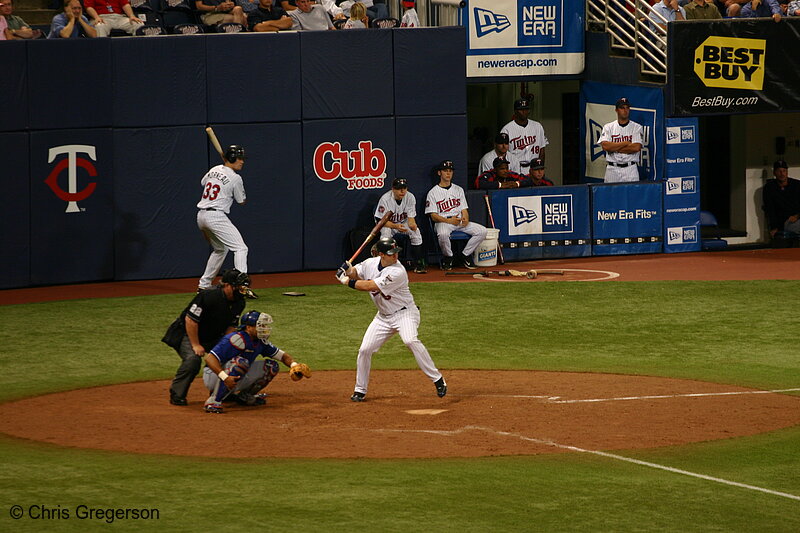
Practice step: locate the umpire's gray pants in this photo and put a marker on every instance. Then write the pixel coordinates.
(188, 370)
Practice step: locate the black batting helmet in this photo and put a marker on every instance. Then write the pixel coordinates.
(233, 153)
(387, 246)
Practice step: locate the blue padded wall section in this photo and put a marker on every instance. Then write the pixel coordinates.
(158, 85)
(69, 83)
(346, 74)
(423, 142)
(157, 185)
(71, 224)
(253, 79)
(334, 202)
(429, 71)
(271, 222)
(14, 86)
(15, 228)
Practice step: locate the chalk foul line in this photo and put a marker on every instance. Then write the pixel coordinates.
(557, 399)
(598, 453)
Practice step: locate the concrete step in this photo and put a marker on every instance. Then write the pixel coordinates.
(36, 16)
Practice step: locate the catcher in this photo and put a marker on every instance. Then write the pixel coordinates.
(232, 372)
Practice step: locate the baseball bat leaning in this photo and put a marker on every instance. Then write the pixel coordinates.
(371, 235)
(215, 142)
(491, 219)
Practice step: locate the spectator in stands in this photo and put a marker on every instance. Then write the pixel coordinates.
(248, 6)
(358, 17)
(669, 10)
(374, 11)
(761, 8)
(410, 17)
(4, 33)
(526, 137)
(333, 10)
(72, 23)
(310, 17)
(793, 10)
(782, 201)
(501, 151)
(702, 10)
(110, 15)
(17, 28)
(215, 12)
(500, 177)
(269, 18)
(536, 174)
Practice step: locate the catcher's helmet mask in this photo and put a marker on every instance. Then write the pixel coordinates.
(261, 321)
(387, 246)
(234, 153)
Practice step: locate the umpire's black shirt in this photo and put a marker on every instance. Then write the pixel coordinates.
(214, 314)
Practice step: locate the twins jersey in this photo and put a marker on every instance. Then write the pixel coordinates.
(525, 142)
(410, 19)
(392, 281)
(239, 343)
(447, 202)
(221, 186)
(613, 132)
(487, 162)
(400, 213)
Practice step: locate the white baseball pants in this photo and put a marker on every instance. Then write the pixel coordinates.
(405, 322)
(443, 230)
(621, 174)
(414, 236)
(223, 236)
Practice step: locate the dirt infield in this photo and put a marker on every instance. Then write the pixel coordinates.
(485, 412)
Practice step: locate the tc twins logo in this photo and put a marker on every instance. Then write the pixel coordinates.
(72, 195)
(364, 168)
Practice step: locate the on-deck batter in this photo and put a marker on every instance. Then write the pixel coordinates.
(403, 206)
(622, 142)
(387, 282)
(221, 186)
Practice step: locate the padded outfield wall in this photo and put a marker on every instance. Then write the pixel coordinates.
(103, 144)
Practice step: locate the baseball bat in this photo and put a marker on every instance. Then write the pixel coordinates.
(371, 235)
(491, 219)
(215, 142)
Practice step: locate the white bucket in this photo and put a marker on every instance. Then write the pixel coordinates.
(485, 254)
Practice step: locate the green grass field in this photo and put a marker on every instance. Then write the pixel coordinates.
(724, 332)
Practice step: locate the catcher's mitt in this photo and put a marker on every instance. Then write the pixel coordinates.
(299, 371)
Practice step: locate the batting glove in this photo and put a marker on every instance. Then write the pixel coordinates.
(342, 276)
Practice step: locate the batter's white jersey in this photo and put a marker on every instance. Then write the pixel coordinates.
(621, 167)
(221, 186)
(392, 280)
(487, 162)
(525, 142)
(397, 313)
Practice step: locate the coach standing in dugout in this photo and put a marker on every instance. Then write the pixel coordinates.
(622, 142)
(211, 314)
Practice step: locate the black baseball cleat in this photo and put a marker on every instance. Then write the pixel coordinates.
(420, 268)
(441, 387)
(446, 263)
(250, 295)
(467, 262)
(357, 397)
(174, 400)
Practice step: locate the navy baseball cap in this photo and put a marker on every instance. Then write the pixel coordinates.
(622, 102)
(502, 138)
(446, 165)
(522, 103)
(498, 162)
(780, 163)
(400, 183)
(536, 164)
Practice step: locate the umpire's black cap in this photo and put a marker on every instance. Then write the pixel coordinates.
(236, 278)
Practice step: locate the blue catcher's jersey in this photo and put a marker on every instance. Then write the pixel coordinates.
(239, 343)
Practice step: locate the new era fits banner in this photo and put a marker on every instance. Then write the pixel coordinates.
(749, 66)
(523, 37)
(542, 222)
(626, 218)
(681, 187)
(647, 108)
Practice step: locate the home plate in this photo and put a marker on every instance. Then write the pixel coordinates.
(426, 411)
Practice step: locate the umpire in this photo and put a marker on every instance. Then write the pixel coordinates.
(211, 314)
